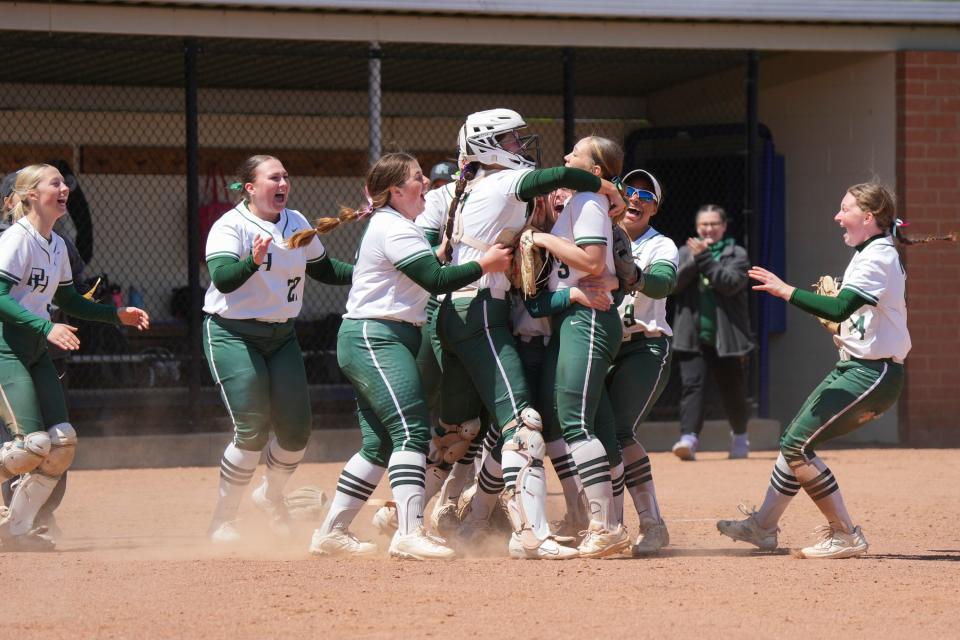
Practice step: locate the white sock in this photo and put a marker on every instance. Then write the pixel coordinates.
(616, 480)
(818, 481)
(783, 486)
(357, 482)
(639, 481)
(236, 470)
(594, 470)
(489, 486)
(280, 466)
(566, 469)
(407, 471)
(31, 493)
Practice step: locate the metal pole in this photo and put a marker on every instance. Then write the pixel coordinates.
(374, 93)
(193, 224)
(569, 114)
(751, 220)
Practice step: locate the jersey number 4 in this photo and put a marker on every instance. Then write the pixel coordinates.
(291, 293)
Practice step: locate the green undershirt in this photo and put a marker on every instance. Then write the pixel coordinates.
(66, 297)
(659, 281)
(829, 308)
(436, 278)
(229, 274)
(547, 303)
(542, 181)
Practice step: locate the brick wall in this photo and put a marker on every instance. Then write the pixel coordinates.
(928, 184)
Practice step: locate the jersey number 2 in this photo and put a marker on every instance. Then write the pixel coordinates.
(291, 295)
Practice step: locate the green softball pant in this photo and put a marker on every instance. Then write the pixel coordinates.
(32, 398)
(481, 367)
(855, 392)
(379, 357)
(259, 369)
(429, 356)
(584, 345)
(638, 376)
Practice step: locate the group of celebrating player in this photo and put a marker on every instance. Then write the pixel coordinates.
(568, 373)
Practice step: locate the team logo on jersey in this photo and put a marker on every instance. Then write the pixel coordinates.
(38, 279)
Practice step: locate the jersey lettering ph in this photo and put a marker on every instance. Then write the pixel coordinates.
(33, 266)
(877, 330)
(275, 292)
(583, 221)
(380, 289)
(490, 206)
(638, 312)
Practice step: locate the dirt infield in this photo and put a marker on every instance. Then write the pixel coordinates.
(133, 563)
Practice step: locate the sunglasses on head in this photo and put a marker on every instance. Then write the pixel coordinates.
(643, 194)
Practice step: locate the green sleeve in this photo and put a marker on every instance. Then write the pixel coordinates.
(76, 306)
(829, 308)
(330, 271)
(436, 278)
(11, 311)
(659, 281)
(542, 181)
(228, 274)
(433, 236)
(547, 303)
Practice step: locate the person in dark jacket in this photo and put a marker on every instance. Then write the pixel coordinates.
(712, 330)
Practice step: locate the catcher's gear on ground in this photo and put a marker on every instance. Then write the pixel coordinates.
(629, 275)
(306, 503)
(828, 286)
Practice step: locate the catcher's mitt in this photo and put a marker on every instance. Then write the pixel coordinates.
(627, 272)
(527, 268)
(306, 503)
(828, 286)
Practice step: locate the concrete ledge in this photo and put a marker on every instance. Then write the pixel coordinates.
(337, 445)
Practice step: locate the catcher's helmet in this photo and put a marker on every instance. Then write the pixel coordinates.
(480, 140)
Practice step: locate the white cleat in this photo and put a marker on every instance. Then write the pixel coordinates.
(836, 544)
(549, 549)
(276, 512)
(653, 537)
(340, 543)
(420, 545)
(599, 542)
(686, 447)
(739, 447)
(33, 540)
(749, 530)
(225, 532)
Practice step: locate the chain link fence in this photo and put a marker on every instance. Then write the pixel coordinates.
(113, 112)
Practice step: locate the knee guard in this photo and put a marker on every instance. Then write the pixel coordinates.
(63, 447)
(526, 505)
(452, 441)
(23, 455)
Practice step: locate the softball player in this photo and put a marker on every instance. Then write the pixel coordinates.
(257, 271)
(396, 271)
(35, 271)
(873, 342)
(480, 361)
(585, 342)
(641, 369)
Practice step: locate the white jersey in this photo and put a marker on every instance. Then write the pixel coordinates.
(275, 292)
(638, 312)
(583, 221)
(380, 289)
(523, 323)
(877, 330)
(438, 205)
(489, 207)
(34, 266)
